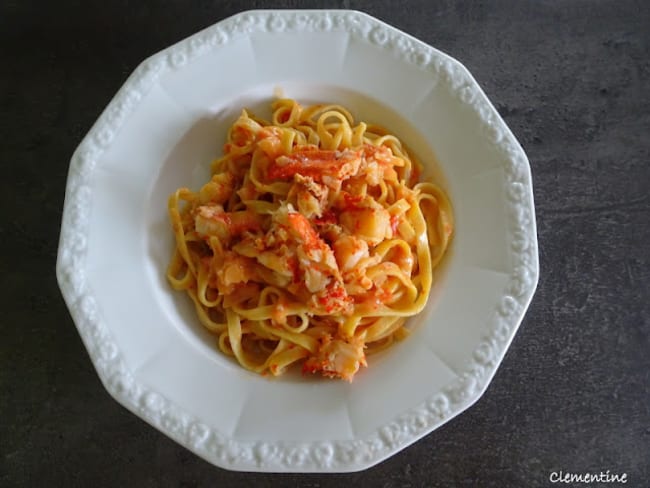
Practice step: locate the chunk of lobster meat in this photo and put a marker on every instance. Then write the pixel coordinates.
(279, 261)
(349, 250)
(250, 246)
(211, 220)
(337, 358)
(300, 229)
(315, 266)
(333, 300)
(218, 190)
(371, 224)
(311, 196)
(269, 140)
(315, 279)
(312, 248)
(381, 154)
(379, 164)
(322, 165)
(242, 293)
(232, 270)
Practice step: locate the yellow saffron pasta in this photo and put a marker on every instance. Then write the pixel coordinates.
(312, 243)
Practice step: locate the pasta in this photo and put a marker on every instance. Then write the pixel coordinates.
(312, 243)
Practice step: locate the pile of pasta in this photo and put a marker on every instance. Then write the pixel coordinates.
(312, 243)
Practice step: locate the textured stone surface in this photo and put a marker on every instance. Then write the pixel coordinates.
(573, 82)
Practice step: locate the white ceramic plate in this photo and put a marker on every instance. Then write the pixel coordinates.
(161, 131)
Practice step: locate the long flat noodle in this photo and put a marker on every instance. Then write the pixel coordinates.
(278, 362)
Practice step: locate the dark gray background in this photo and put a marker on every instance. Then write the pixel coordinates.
(571, 78)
